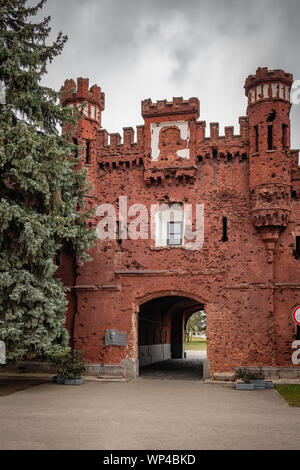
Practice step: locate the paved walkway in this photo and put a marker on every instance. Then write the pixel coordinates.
(147, 414)
(190, 368)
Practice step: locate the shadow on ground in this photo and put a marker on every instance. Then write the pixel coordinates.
(10, 384)
(190, 368)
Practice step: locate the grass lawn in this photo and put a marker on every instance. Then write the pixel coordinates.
(291, 393)
(196, 344)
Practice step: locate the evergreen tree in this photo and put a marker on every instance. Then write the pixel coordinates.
(39, 190)
(196, 325)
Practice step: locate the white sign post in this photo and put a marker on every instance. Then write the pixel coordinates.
(2, 353)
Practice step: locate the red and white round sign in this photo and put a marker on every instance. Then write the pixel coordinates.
(296, 315)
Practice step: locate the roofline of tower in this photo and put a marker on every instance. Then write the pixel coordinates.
(263, 74)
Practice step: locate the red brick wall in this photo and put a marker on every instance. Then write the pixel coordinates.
(248, 284)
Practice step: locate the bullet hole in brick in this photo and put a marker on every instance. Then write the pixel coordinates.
(273, 175)
(200, 158)
(215, 153)
(294, 194)
(271, 116)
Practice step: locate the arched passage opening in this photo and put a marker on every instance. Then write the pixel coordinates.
(195, 335)
(161, 327)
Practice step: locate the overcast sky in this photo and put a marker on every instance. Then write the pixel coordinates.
(137, 49)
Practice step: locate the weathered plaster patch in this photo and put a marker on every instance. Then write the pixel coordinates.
(155, 129)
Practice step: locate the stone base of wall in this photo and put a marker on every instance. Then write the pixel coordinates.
(279, 372)
(128, 368)
(206, 369)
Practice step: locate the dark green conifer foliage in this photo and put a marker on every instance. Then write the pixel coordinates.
(39, 189)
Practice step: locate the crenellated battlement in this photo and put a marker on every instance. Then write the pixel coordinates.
(112, 142)
(72, 94)
(81, 92)
(263, 73)
(176, 106)
(228, 136)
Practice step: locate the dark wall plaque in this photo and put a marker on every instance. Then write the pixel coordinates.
(115, 338)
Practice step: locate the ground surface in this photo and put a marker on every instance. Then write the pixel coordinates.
(156, 413)
(195, 343)
(291, 393)
(190, 368)
(12, 384)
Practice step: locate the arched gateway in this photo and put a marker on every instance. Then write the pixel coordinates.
(161, 323)
(230, 244)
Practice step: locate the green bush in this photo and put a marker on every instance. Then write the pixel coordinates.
(246, 374)
(69, 364)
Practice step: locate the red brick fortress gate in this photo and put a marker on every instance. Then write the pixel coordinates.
(132, 300)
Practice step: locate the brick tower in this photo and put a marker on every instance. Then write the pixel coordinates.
(268, 93)
(90, 102)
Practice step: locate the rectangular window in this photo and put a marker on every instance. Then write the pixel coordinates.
(225, 234)
(284, 135)
(296, 252)
(75, 142)
(87, 153)
(175, 233)
(119, 232)
(270, 137)
(256, 138)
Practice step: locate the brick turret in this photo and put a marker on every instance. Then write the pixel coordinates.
(90, 102)
(268, 93)
(90, 99)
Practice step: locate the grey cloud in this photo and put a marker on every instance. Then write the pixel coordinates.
(139, 48)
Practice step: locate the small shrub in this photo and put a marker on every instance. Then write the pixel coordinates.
(246, 374)
(69, 364)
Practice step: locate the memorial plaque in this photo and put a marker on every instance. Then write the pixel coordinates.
(2, 353)
(115, 338)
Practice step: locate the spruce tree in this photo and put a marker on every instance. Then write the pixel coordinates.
(40, 191)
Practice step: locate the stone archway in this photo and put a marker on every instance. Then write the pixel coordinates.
(161, 321)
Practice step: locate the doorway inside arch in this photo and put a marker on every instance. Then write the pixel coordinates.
(195, 341)
(162, 332)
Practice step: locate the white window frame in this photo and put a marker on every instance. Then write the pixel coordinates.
(163, 217)
(173, 239)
